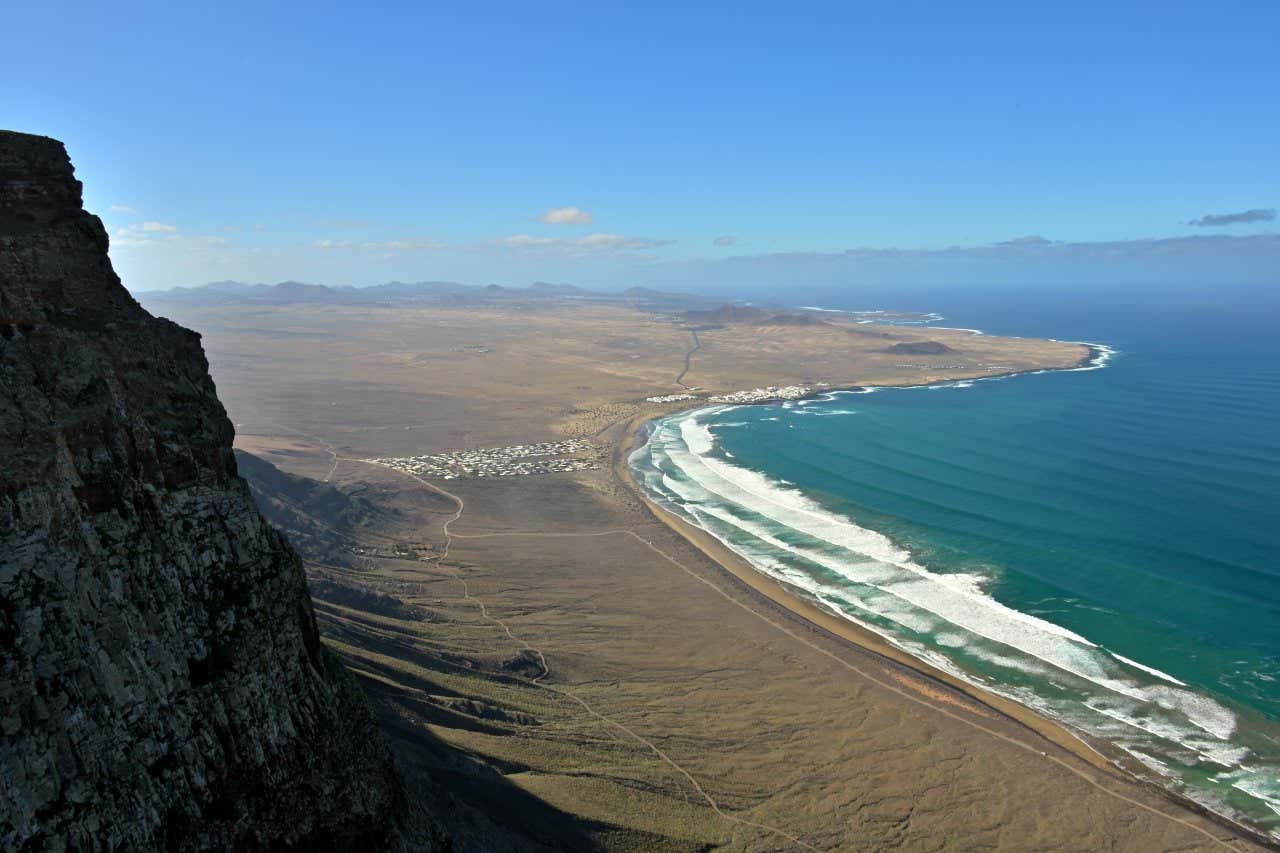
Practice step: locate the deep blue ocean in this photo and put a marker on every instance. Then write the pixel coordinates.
(1100, 545)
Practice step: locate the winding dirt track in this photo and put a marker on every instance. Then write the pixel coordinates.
(697, 345)
(538, 681)
(1085, 775)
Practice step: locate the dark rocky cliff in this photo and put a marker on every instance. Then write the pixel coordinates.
(162, 681)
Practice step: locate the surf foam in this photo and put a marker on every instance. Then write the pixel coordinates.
(758, 517)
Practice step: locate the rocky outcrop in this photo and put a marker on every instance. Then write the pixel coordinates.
(921, 348)
(162, 681)
(322, 523)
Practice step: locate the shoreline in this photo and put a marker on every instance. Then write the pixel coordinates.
(1095, 358)
(767, 590)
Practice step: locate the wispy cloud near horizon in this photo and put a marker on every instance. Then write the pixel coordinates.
(412, 244)
(1031, 261)
(143, 234)
(591, 244)
(598, 244)
(604, 260)
(1021, 248)
(156, 228)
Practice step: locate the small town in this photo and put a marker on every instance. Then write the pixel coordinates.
(670, 398)
(927, 366)
(773, 392)
(514, 461)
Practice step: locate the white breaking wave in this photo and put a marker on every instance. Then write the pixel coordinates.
(949, 620)
(791, 508)
(1265, 788)
(886, 581)
(1150, 670)
(1102, 355)
(1152, 762)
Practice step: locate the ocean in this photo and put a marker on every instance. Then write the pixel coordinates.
(1100, 545)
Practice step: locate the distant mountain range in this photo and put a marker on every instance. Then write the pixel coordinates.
(419, 292)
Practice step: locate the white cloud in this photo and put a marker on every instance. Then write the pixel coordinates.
(566, 216)
(412, 244)
(145, 230)
(724, 240)
(526, 241)
(121, 208)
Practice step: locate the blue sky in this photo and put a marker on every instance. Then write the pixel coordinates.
(349, 144)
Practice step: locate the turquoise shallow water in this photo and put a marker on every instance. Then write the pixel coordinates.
(1100, 545)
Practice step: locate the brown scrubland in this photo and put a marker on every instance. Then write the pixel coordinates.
(608, 677)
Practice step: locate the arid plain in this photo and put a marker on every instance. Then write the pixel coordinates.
(614, 681)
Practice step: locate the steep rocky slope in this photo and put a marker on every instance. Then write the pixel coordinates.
(322, 523)
(162, 681)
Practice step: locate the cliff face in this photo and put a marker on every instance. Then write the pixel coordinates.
(162, 682)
